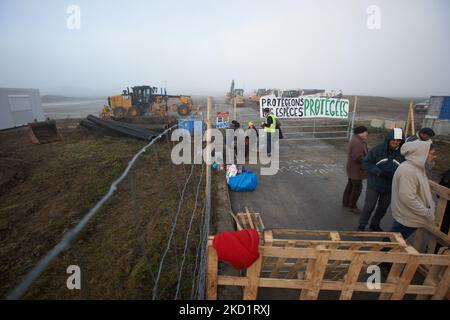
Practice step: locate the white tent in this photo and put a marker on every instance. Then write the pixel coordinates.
(19, 107)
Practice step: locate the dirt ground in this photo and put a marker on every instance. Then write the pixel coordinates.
(369, 107)
(46, 189)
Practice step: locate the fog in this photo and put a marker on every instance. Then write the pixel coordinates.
(198, 47)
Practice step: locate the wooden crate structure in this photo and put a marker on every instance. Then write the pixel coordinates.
(342, 240)
(432, 234)
(311, 267)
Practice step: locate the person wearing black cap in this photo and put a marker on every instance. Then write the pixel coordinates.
(423, 134)
(356, 151)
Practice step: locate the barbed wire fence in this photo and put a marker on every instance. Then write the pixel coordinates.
(194, 240)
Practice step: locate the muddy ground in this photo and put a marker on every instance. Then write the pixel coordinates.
(46, 189)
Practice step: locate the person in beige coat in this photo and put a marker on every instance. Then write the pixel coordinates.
(412, 203)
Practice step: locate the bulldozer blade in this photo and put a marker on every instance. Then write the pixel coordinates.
(44, 132)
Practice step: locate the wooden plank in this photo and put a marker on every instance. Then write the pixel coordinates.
(261, 222)
(302, 232)
(368, 234)
(338, 243)
(253, 273)
(399, 239)
(294, 269)
(334, 236)
(249, 217)
(443, 192)
(377, 257)
(352, 276)
(325, 285)
(405, 278)
(393, 278)
(430, 279)
(309, 274)
(212, 272)
(444, 286)
(267, 241)
(279, 264)
(326, 234)
(435, 232)
(317, 275)
(268, 237)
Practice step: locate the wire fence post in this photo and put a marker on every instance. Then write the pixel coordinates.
(207, 221)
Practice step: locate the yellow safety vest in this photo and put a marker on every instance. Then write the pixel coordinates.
(272, 127)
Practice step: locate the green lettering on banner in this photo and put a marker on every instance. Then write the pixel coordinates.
(312, 109)
(321, 106)
(338, 114)
(306, 107)
(327, 105)
(331, 107)
(345, 109)
(317, 107)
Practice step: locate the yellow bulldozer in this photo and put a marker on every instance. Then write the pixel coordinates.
(258, 94)
(136, 102)
(239, 97)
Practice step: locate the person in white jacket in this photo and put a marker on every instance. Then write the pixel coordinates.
(412, 203)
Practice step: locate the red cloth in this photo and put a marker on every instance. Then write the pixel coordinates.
(240, 248)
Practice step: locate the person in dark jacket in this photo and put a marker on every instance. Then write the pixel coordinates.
(380, 163)
(357, 150)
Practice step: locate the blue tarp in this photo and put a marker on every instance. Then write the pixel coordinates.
(243, 182)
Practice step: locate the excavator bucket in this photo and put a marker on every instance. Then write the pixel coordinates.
(44, 131)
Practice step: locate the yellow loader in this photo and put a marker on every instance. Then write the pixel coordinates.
(135, 103)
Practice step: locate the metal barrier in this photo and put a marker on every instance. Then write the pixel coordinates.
(304, 129)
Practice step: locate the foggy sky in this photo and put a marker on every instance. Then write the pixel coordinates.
(197, 47)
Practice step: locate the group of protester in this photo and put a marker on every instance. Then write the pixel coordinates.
(396, 173)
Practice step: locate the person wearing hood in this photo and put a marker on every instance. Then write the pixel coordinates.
(423, 134)
(380, 163)
(412, 202)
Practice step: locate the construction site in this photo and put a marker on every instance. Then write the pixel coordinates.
(98, 202)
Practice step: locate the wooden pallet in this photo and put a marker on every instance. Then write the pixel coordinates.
(307, 268)
(248, 220)
(353, 240)
(342, 240)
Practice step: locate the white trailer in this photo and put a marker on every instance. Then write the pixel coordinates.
(19, 107)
